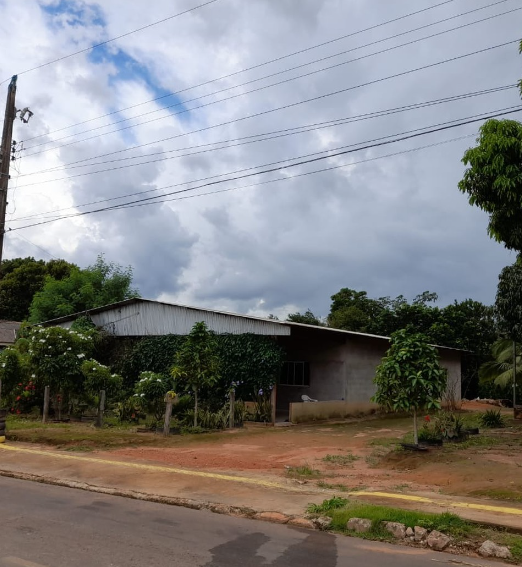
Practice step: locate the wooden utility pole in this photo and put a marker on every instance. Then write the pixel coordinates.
(5, 156)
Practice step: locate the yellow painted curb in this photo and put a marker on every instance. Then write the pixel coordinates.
(155, 468)
(449, 503)
(2, 439)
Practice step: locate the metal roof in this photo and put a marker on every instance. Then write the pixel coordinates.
(268, 325)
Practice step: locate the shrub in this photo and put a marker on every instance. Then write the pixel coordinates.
(492, 418)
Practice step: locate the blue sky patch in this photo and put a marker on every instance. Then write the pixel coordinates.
(73, 13)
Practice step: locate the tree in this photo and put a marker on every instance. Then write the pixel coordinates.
(508, 306)
(410, 377)
(21, 278)
(151, 390)
(352, 310)
(308, 318)
(100, 284)
(493, 180)
(501, 370)
(197, 362)
(56, 356)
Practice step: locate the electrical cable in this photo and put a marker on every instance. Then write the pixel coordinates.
(232, 97)
(267, 137)
(112, 39)
(298, 103)
(284, 71)
(271, 170)
(280, 58)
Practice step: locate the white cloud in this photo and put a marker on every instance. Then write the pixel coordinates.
(391, 226)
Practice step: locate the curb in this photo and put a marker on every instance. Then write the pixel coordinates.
(237, 511)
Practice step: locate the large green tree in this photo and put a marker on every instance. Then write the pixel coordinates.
(197, 362)
(352, 310)
(410, 377)
(100, 284)
(493, 180)
(307, 318)
(21, 279)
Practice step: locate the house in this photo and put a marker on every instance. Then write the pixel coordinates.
(8, 333)
(332, 366)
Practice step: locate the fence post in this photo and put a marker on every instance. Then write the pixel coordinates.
(273, 402)
(45, 414)
(231, 419)
(170, 398)
(101, 409)
(3, 415)
(0, 392)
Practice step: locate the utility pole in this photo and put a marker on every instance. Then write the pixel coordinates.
(5, 156)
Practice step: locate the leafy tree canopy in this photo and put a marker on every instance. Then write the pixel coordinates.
(493, 180)
(197, 363)
(410, 377)
(508, 302)
(21, 278)
(100, 284)
(308, 318)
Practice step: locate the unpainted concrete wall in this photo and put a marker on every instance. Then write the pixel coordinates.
(310, 411)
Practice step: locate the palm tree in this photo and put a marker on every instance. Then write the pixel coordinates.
(501, 371)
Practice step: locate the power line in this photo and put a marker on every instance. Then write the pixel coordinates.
(257, 89)
(266, 136)
(114, 39)
(154, 199)
(257, 66)
(298, 103)
(37, 246)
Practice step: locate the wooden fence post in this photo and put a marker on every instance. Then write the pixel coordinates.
(231, 419)
(0, 392)
(273, 402)
(45, 413)
(170, 398)
(101, 409)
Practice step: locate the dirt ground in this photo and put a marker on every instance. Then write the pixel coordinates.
(343, 456)
(361, 454)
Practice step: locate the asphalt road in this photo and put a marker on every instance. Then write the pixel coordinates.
(48, 526)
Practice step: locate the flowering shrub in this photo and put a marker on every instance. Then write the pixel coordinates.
(57, 354)
(13, 368)
(99, 377)
(22, 397)
(150, 392)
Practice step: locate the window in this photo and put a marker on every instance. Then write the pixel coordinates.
(295, 373)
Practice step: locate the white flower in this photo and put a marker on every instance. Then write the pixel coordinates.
(142, 395)
(33, 375)
(3, 365)
(158, 380)
(69, 348)
(41, 341)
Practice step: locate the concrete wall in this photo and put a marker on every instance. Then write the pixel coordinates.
(309, 411)
(451, 361)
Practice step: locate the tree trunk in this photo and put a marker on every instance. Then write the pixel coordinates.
(415, 432)
(101, 409)
(45, 413)
(0, 392)
(514, 378)
(231, 419)
(168, 416)
(60, 400)
(195, 407)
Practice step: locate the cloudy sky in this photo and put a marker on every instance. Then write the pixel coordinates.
(231, 89)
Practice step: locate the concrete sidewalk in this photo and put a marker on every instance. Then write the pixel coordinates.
(225, 492)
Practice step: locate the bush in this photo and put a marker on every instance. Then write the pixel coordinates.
(492, 419)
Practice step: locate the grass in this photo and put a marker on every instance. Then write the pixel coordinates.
(341, 510)
(302, 471)
(499, 494)
(341, 460)
(339, 487)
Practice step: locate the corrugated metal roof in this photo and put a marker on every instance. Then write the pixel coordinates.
(132, 322)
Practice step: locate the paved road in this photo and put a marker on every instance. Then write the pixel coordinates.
(48, 526)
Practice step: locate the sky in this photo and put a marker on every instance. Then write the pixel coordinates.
(209, 116)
